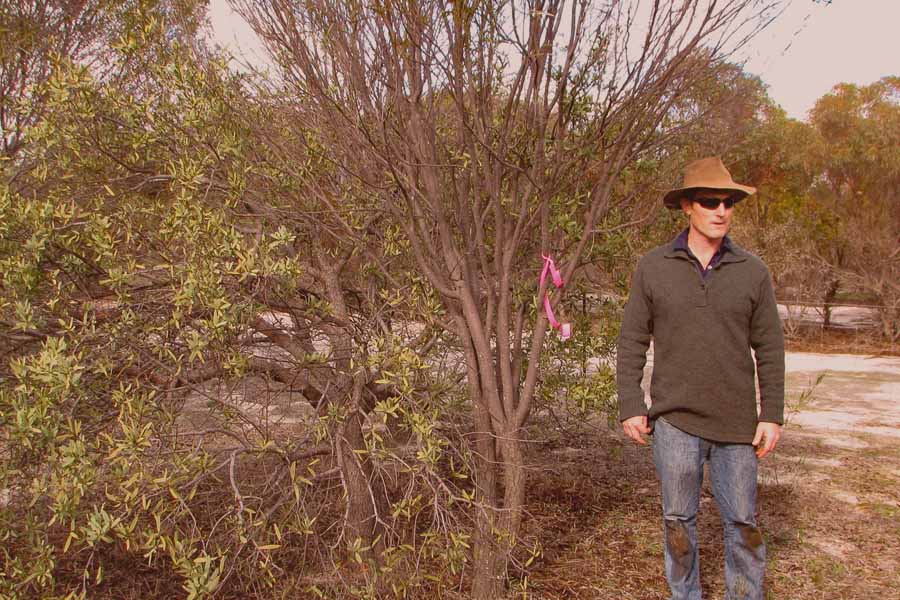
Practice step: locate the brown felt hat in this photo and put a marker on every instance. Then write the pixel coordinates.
(707, 173)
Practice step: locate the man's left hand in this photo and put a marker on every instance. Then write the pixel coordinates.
(766, 438)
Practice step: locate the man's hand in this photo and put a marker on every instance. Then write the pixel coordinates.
(635, 427)
(766, 438)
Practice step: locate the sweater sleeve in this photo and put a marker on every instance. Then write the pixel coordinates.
(767, 340)
(631, 353)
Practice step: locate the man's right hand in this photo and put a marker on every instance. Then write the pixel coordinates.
(636, 428)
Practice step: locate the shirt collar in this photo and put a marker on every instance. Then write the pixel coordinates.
(681, 243)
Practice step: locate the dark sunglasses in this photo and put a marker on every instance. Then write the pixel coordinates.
(713, 203)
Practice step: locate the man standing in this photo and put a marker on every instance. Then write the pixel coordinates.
(705, 302)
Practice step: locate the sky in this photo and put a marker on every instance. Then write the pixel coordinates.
(813, 46)
(808, 49)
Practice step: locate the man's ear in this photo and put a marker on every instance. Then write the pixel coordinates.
(686, 206)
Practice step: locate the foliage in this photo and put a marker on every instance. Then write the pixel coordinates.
(113, 289)
(33, 35)
(858, 193)
(172, 391)
(779, 222)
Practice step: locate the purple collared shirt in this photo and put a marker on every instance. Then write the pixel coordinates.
(681, 243)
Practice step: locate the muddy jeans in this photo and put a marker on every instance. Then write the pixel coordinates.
(679, 459)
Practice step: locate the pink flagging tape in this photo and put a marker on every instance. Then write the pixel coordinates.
(565, 329)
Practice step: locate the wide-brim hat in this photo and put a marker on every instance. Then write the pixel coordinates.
(707, 173)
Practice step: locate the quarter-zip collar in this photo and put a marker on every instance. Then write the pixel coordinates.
(728, 252)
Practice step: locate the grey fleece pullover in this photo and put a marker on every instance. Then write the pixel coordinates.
(703, 332)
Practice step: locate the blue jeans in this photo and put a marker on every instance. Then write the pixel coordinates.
(679, 459)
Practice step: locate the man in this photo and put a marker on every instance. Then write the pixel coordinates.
(705, 302)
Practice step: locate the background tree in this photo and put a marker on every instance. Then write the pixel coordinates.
(857, 197)
(732, 116)
(778, 223)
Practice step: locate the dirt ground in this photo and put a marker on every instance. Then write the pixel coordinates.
(829, 499)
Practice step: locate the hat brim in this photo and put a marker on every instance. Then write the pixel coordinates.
(672, 199)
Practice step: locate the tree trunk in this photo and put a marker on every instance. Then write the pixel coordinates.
(366, 496)
(498, 524)
(514, 480)
(890, 324)
(830, 295)
(489, 567)
(490, 557)
(366, 499)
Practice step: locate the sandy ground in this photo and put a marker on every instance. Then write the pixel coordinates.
(841, 455)
(855, 395)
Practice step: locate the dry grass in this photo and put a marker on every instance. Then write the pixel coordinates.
(844, 341)
(831, 517)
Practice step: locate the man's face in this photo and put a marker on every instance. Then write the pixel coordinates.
(710, 213)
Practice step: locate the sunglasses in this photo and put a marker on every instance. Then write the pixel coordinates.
(713, 203)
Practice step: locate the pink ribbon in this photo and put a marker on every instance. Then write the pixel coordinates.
(565, 329)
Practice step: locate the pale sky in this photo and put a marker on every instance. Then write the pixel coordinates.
(814, 46)
(801, 56)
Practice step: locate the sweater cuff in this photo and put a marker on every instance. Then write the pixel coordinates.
(773, 415)
(628, 409)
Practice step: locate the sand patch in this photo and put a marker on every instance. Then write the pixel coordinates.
(856, 395)
(845, 496)
(838, 549)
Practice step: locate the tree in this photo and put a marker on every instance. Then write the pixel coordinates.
(192, 368)
(776, 156)
(492, 134)
(35, 35)
(188, 256)
(32, 36)
(858, 194)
